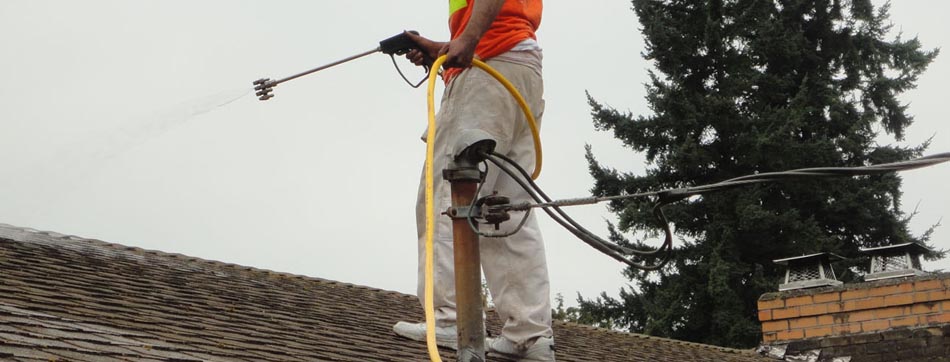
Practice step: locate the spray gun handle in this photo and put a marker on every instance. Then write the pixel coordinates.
(398, 44)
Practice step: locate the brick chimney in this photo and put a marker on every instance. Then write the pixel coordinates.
(884, 320)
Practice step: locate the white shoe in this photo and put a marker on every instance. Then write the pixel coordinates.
(542, 350)
(444, 336)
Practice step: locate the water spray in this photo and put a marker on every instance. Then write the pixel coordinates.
(398, 44)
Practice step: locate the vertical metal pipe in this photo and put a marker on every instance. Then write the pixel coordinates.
(468, 281)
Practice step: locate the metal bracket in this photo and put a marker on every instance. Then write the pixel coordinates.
(462, 212)
(485, 209)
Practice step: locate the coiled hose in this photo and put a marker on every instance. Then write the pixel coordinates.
(430, 185)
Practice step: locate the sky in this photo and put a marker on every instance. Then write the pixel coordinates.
(132, 122)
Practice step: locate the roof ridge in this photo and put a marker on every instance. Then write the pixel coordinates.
(181, 257)
(663, 339)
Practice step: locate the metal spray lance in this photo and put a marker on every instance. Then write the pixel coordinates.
(398, 44)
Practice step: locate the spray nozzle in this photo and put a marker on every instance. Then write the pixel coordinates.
(264, 87)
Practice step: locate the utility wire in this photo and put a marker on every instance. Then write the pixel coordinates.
(684, 192)
(664, 197)
(613, 250)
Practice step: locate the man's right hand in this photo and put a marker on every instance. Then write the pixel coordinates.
(427, 52)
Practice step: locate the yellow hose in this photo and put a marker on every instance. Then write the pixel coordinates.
(430, 186)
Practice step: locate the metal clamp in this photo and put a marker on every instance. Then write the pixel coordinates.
(486, 210)
(493, 215)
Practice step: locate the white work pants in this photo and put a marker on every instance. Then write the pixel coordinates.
(515, 267)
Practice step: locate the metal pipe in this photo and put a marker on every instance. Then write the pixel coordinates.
(322, 67)
(265, 86)
(468, 282)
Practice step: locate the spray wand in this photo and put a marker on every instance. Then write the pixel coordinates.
(398, 44)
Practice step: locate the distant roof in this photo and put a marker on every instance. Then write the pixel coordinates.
(69, 298)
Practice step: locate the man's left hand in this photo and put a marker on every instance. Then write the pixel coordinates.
(459, 52)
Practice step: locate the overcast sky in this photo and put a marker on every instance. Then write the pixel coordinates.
(131, 122)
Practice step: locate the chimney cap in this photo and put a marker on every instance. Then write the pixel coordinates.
(805, 258)
(809, 271)
(895, 261)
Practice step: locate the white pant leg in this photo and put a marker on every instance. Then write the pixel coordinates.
(515, 267)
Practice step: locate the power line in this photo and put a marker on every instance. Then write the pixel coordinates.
(663, 254)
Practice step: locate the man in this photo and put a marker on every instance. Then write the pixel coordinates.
(501, 33)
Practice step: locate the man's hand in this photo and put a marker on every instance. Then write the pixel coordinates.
(428, 50)
(459, 52)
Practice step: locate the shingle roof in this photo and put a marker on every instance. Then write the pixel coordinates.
(69, 298)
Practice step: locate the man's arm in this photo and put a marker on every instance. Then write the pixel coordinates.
(460, 51)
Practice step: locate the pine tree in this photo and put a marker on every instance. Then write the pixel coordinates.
(746, 86)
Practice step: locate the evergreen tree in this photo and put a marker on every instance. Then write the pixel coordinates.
(746, 86)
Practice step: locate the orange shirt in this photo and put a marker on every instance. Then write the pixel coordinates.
(516, 21)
